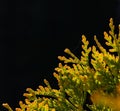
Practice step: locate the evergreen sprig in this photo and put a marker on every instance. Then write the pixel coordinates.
(96, 72)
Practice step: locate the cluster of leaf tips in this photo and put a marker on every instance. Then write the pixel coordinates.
(96, 72)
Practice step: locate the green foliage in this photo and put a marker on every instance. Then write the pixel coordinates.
(96, 72)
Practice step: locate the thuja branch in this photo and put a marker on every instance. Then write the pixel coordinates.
(95, 73)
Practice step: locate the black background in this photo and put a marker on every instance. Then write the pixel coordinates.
(34, 33)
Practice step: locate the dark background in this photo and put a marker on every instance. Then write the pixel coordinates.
(34, 33)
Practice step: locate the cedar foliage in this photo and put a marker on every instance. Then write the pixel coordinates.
(96, 72)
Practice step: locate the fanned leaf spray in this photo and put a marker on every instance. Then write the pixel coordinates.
(96, 72)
